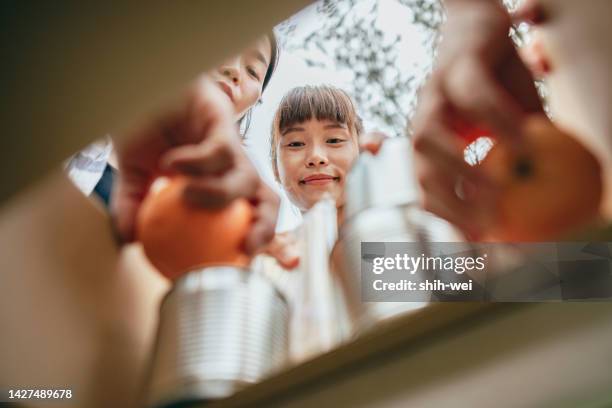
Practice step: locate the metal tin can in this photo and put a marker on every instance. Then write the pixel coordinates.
(221, 328)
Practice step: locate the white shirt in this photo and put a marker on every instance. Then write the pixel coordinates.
(86, 167)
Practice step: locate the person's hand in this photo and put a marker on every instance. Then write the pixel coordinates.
(372, 141)
(214, 188)
(284, 248)
(267, 204)
(479, 87)
(534, 56)
(533, 53)
(200, 140)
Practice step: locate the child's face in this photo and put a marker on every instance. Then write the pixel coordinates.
(314, 158)
(241, 77)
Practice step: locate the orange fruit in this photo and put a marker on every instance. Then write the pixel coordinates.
(549, 186)
(178, 237)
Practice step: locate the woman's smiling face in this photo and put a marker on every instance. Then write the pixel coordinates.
(313, 159)
(241, 78)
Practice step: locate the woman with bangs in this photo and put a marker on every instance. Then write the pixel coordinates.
(315, 140)
(316, 137)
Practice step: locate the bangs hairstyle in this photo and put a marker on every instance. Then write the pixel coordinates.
(304, 103)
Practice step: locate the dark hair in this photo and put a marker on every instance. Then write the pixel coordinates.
(245, 121)
(274, 55)
(321, 102)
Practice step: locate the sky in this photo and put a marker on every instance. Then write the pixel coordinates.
(293, 71)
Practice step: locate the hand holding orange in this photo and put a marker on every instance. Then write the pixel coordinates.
(550, 185)
(178, 237)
